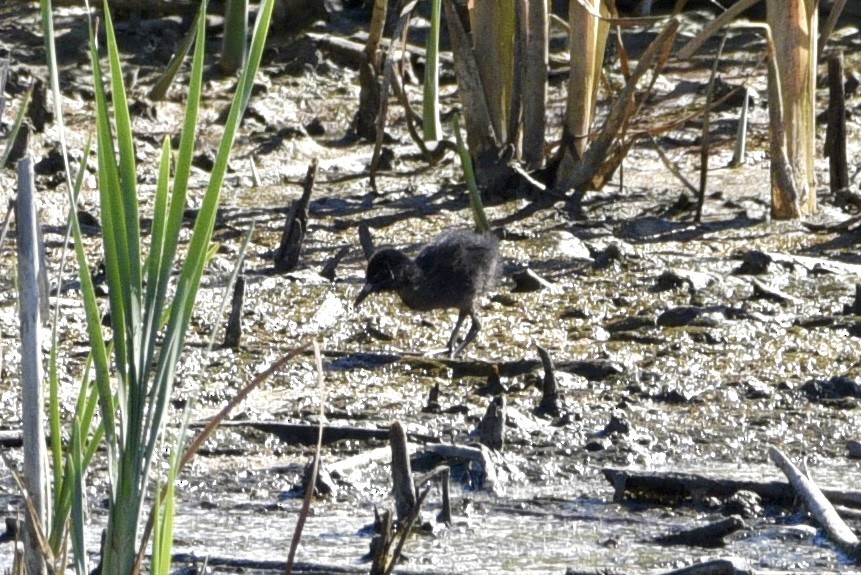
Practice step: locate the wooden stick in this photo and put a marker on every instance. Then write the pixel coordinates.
(402, 475)
(491, 428)
(287, 254)
(818, 505)
(550, 390)
(691, 47)
(706, 138)
(233, 332)
(835, 139)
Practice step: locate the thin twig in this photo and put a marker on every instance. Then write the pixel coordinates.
(243, 249)
(830, 23)
(691, 47)
(704, 145)
(210, 427)
(315, 466)
(674, 169)
(38, 528)
(406, 527)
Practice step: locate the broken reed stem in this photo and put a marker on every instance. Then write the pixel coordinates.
(706, 137)
(835, 140)
(400, 32)
(406, 527)
(402, 476)
(673, 168)
(653, 58)
(289, 249)
(231, 282)
(740, 152)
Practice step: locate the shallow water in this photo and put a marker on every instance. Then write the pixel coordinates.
(524, 532)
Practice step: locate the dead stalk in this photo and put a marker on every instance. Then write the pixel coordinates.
(315, 466)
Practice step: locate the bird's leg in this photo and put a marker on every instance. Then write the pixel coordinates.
(453, 339)
(470, 335)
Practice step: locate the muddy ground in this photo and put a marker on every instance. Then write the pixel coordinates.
(695, 372)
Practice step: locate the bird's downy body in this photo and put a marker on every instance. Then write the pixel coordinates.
(452, 271)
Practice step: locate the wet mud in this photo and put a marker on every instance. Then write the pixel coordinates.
(678, 346)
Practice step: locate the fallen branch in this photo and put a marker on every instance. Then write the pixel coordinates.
(653, 485)
(591, 369)
(481, 456)
(818, 505)
(306, 434)
(710, 535)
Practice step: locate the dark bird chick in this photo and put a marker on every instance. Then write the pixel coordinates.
(453, 271)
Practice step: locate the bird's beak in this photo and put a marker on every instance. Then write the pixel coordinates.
(367, 290)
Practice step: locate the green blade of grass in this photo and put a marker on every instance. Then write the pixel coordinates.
(137, 309)
(46, 9)
(192, 270)
(125, 464)
(127, 167)
(163, 526)
(97, 343)
(430, 109)
(475, 203)
(161, 86)
(78, 499)
(113, 243)
(161, 262)
(60, 510)
(158, 270)
(128, 257)
(165, 239)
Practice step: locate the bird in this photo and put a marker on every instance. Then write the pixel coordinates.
(452, 271)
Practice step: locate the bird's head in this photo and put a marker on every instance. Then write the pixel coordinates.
(388, 270)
